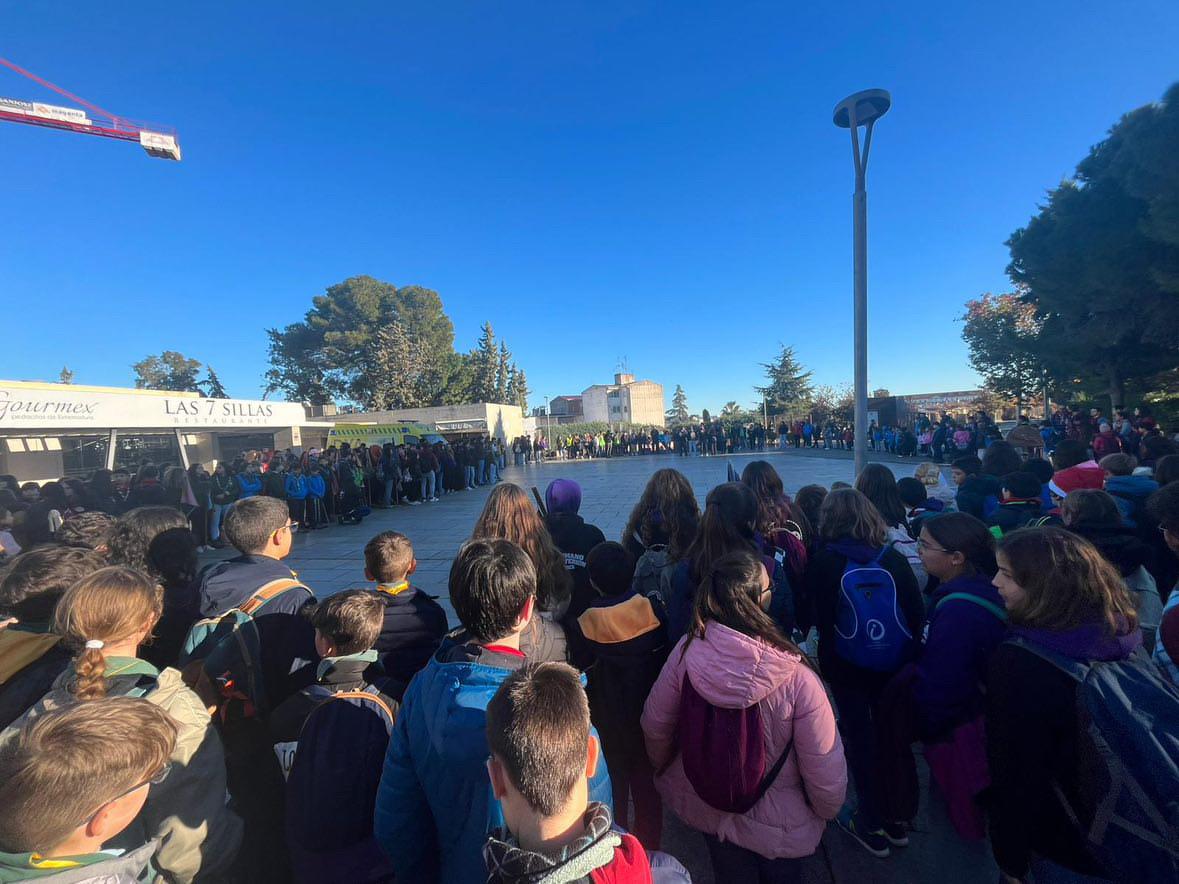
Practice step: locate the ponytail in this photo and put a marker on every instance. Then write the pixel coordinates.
(111, 605)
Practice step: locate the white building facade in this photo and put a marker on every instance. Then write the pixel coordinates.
(626, 401)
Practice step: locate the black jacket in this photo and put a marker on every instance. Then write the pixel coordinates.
(973, 493)
(824, 576)
(1031, 726)
(333, 675)
(413, 629)
(575, 538)
(1121, 547)
(1014, 514)
(148, 493)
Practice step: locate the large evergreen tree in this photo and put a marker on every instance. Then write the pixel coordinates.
(212, 386)
(397, 365)
(678, 414)
(1100, 261)
(485, 362)
(503, 374)
(66, 376)
(789, 385)
(168, 371)
(518, 394)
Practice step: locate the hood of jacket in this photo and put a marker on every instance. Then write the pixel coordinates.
(99, 868)
(1121, 547)
(509, 863)
(1133, 487)
(1090, 641)
(972, 584)
(227, 584)
(733, 671)
(856, 550)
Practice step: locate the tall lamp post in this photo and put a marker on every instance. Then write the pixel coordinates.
(861, 109)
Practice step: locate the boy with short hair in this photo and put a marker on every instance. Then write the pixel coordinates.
(543, 754)
(72, 780)
(1129, 491)
(623, 637)
(918, 504)
(1020, 505)
(434, 805)
(414, 624)
(346, 626)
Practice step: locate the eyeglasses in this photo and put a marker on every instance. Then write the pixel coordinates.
(154, 780)
(929, 547)
(293, 527)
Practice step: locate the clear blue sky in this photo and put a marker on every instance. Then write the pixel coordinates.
(659, 181)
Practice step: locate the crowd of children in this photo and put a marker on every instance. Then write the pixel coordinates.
(225, 725)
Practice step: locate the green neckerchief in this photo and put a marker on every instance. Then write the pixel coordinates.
(327, 664)
(116, 666)
(393, 588)
(23, 866)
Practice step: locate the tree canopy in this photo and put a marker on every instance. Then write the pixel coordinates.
(1100, 261)
(1003, 334)
(789, 384)
(168, 371)
(372, 343)
(678, 414)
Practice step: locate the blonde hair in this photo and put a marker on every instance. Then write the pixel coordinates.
(109, 606)
(66, 764)
(510, 515)
(928, 473)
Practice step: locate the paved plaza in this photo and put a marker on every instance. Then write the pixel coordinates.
(332, 560)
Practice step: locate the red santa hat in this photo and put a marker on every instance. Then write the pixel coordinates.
(1086, 475)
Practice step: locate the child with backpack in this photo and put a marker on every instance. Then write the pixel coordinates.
(346, 627)
(1082, 732)
(105, 618)
(623, 638)
(542, 755)
(414, 624)
(783, 527)
(878, 484)
(331, 739)
(64, 802)
(435, 804)
(759, 780)
(864, 599)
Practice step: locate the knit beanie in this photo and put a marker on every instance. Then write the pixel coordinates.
(562, 496)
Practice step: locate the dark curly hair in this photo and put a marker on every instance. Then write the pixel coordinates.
(130, 540)
(668, 506)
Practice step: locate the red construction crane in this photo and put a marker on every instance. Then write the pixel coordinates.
(158, 141)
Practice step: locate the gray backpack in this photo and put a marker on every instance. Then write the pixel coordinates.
(653, 572)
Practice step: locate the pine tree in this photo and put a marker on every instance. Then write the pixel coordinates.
(518, 392)
(789, 385)
(486, 365)
(678, 414)
(66, 376)
(503, 374)
(211, 386)
(397, 368)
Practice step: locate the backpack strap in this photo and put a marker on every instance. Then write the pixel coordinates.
(772, 773)
(267, 592)
(373, 696)
(999, 612)
(1074, 669)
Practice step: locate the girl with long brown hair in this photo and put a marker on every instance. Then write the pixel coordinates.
(1064, 601)
(783, 527)
(510, 515)
(105, 617)
(735, 653)
(666, 514)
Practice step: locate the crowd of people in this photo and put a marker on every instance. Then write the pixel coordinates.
(1012, 615)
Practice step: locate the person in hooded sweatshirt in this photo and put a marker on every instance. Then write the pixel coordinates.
(977, 493)
(1021, 504)
(853, 531)
(1129, 491)
(574, 537)
(1094, 515)
(736, 655)
(1079, 609)
(1106, 441)
(435, 803)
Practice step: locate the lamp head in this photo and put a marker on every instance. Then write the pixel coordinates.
(864, 107)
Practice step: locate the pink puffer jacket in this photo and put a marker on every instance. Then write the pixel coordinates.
(732, 670)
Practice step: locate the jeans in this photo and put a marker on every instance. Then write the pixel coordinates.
(469, 472)
(857, 726)
(731, 863)
(390, 484)
(438, 489)
(427, 485)
(215, 516)
(782, 440)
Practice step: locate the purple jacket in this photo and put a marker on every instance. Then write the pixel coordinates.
(961, 636)
(732, 670)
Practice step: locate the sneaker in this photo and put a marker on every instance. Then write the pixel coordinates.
(433, 500)
(415, 503)
(873, 842)
(896, 833)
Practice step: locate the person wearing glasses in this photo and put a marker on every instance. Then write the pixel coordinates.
(64, 802)
(105, 618)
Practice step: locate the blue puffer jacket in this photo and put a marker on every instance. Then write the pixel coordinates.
(250, 485)
(961, 636)
(296, 487)
(315, 485)
(434, 806)
(1130, 493)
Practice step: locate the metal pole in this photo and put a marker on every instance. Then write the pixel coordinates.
(860, 311)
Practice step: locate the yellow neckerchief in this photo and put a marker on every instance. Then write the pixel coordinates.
(393, 588)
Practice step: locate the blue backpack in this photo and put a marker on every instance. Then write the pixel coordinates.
(870, 629)
(1128, 718)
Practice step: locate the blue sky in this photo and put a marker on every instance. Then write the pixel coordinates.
(654, 181)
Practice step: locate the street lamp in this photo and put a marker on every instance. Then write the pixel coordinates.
(861, 109)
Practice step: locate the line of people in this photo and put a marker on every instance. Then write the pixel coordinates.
(688, 664)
